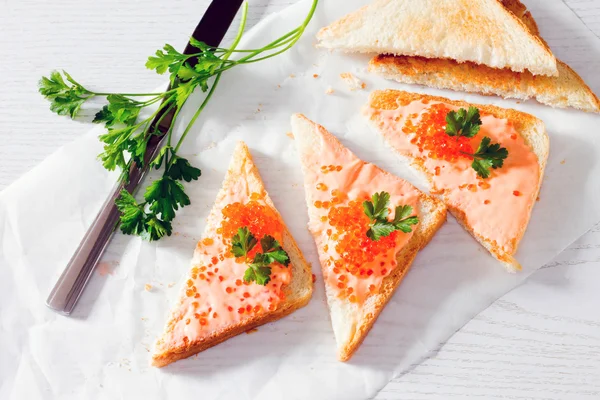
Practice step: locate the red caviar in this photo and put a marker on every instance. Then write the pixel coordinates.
(260, 219)
(353, 246)
(432, 139)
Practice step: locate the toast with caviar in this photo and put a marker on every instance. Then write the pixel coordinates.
(485, 162)
(483, 32)
(562, 91)
(246, 270)
(368, 226)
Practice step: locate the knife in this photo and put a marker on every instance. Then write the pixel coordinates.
(66, 292)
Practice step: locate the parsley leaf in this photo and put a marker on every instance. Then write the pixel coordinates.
(377, 208)
(156, 229)
(64, 99)
(167, 59)
(165, 196)
(243, 242)
(181, 169)
(260, 274)
(463, 122)
(272, 251)
(133, 217)
(488, 156)
(105, 116)
(377, 211)
(380, 229)
(402, 219)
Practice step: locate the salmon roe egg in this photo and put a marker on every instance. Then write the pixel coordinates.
(207, 241)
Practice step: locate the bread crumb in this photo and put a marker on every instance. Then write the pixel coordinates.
(209, 146)
(170, 285)
(148, 287)
(290, 135)
(292, 75)
(329, 90)
(251, 331)
(352, 82)
(563, 162)
(105, 268)
(144, 319)
(315, 76)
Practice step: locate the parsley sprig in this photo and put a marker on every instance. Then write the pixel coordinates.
(128, 130)
(468, 123)
(259, 268)
(377, 211)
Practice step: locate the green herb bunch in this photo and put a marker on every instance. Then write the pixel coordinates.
(128, 133)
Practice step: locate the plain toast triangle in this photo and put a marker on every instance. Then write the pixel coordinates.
(562, 91)
(482, 32)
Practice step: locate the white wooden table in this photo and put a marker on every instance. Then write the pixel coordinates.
(541, 341)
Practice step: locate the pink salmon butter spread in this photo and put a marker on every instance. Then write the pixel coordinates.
(215, 296)
(337, 183)
(498, 208)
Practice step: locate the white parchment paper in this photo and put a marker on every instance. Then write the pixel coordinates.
(102, 352)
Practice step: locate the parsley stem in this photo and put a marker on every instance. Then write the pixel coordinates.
(130, 94)
(197, 114)
(236, 41)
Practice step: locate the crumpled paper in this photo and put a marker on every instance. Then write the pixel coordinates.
(103, 350)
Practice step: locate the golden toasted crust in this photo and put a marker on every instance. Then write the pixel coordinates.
(297, 293)
(405, 257)
(529, 127)
(392, 99)
(566, 90)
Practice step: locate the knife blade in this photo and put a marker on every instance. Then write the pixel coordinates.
(66, 292)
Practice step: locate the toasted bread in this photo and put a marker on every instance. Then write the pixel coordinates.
(352, 319)
(241, 181)
(565, 90)
(483, 32)
(530, 128)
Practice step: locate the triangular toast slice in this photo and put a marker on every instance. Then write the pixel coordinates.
(360, 272)
(495, 210)
(565, 90)
(217, 302)
(482, 32)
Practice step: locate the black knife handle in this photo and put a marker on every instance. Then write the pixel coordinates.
(214, 33)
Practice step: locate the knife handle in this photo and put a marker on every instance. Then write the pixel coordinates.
(74, 278)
